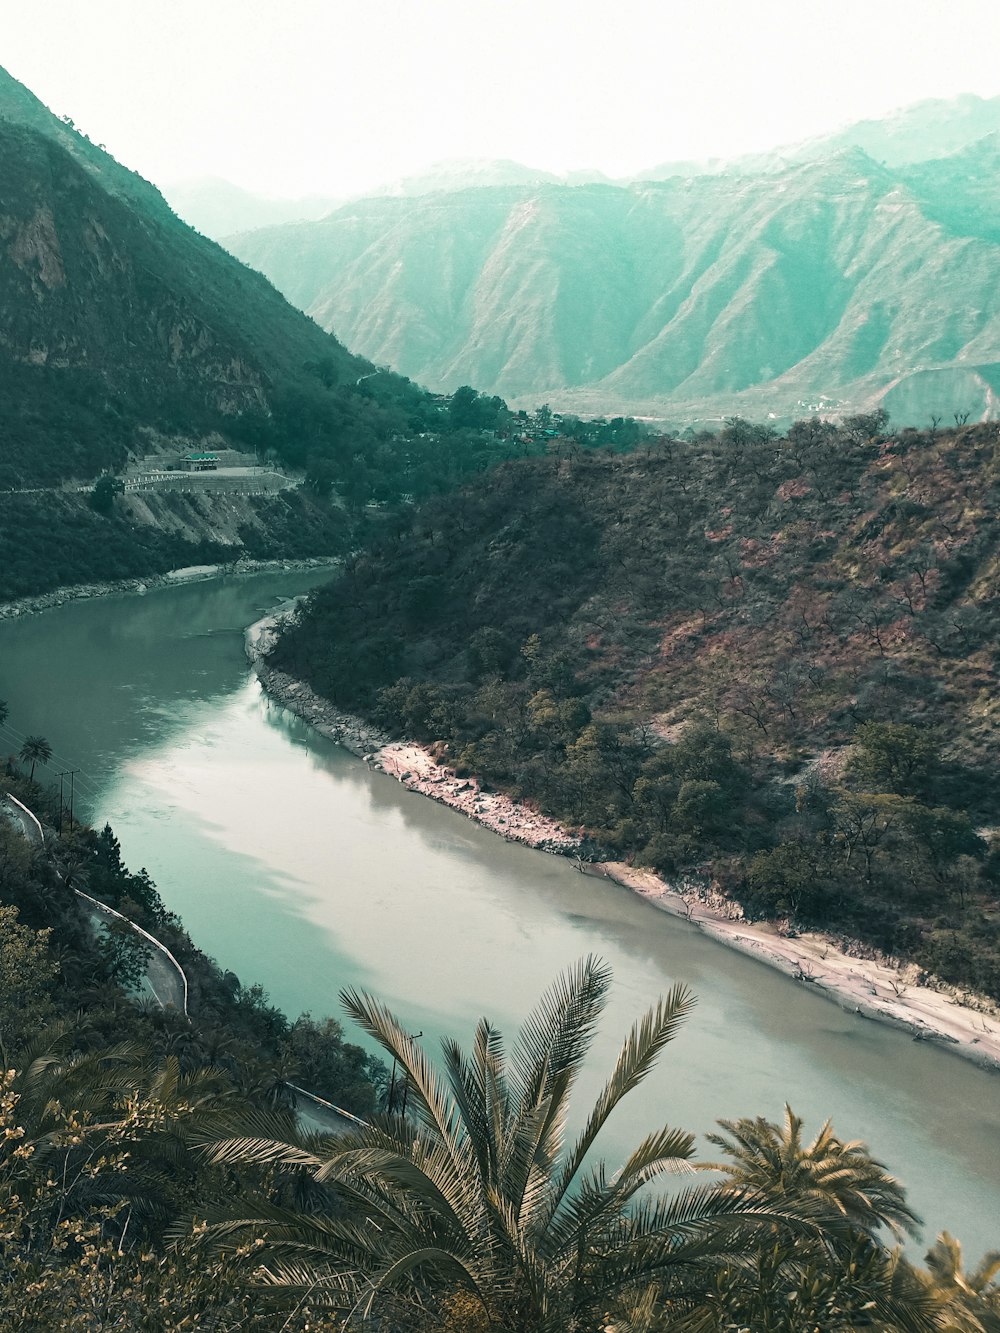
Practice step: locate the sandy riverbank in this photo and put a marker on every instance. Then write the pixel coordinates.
(872, 987)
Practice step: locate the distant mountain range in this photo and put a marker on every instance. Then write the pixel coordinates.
(217, 208)
(933, 128)
(929, 129)
(815, 278)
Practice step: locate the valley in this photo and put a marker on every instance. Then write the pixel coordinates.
(645, 524)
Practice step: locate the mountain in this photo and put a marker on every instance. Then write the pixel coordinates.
(218, 208)
(936, 127)
(116, 319)
(464, 173)
(126, 335)
(834, 283)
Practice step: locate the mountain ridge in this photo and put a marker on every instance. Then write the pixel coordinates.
(841, 279)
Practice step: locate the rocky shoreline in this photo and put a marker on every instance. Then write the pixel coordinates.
(872, 987)
(410, 764)
(44, 601)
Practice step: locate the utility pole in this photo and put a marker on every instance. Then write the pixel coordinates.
(406, 1081)
(71, 774)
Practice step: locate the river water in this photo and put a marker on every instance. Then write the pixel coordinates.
(295, 866)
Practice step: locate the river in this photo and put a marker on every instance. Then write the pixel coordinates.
(295, 866)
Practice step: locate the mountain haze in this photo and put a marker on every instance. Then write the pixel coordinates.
(838, 283)
(217, 208)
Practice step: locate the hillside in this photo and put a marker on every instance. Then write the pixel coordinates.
(117, 318)
(766, 661)
(125, 335)
(839, 283)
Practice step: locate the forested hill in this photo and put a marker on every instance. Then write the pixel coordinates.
(771, 660)
(117, 319)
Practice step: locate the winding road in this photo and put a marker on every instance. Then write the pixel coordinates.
(168, 984)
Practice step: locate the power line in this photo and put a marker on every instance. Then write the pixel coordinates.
(91, 782)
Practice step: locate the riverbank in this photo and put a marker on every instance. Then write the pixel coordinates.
(877, 988)
(872, 987)
(27, 606)
(409, 763)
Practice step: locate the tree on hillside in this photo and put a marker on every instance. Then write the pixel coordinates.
(35, 750)
(894, 756)
(470, 410)
(102, 497)
(26, 976)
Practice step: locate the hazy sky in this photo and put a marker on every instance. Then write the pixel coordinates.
(296, 96)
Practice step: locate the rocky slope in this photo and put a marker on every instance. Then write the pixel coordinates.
(838, 282)
(765, 662)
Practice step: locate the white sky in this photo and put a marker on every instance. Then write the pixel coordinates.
(289, 97)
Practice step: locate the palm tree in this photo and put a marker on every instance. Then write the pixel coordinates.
(839, 1277)
(478, 1199)
(35, 750)
(842, 1179)
(971, 1300)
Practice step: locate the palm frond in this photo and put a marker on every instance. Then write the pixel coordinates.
(635, 1059)
(430, 1098)
(556, 1036)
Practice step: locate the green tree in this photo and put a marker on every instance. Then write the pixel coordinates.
(27, 973)
(102, 497)
(320, 477)
(700, 808)
(785, 881)
(490, 653)
(865, 426)
(125, 955)
(865, 822)
(893, 756)
(336, 1069)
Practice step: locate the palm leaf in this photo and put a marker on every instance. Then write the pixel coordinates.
(636, 1058)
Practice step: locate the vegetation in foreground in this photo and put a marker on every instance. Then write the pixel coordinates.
(760, 661)
(153, 1175)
